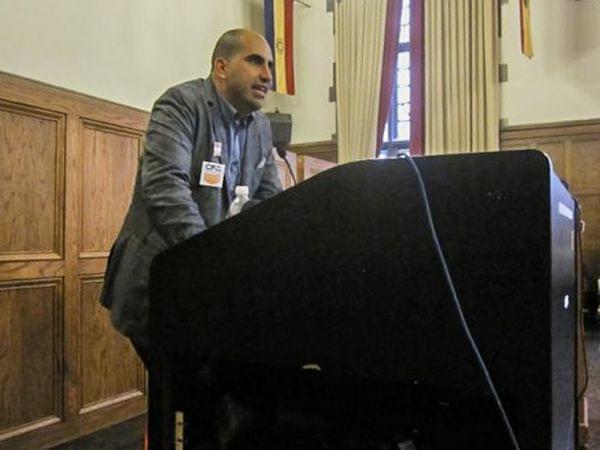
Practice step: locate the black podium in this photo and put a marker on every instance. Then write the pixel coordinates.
(321, 318)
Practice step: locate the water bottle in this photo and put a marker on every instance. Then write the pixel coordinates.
(241, 197)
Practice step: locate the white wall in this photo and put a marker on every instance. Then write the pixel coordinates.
(127, 51)
(312, 113)
(130, 51)
(562, 81)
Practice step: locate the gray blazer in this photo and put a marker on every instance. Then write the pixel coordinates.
(168, 204)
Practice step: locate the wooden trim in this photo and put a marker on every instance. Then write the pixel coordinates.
(94, 254)
(554, 129)
(92, 266)
(60, 432)
(113, 401)
(28, 428)
(111, 128)
(326, 150)
(29, 256)
(308, 146)
(31, 269)
(29, 92)
(16, 284)
(73, 302)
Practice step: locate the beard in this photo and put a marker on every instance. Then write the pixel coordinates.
(252, 103)
(243, 100)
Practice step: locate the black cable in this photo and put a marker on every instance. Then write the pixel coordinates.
(281, 151)
(287, 163)
(459, 310)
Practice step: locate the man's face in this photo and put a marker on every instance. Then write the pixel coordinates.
(247, 75)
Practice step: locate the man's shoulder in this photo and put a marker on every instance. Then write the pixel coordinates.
(188, 89)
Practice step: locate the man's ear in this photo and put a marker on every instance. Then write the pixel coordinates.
(220, 68)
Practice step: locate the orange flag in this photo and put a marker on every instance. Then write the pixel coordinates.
(526, 42)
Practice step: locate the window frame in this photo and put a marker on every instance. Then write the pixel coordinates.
(416, 50)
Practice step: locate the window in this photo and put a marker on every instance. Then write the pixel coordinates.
(403, 128)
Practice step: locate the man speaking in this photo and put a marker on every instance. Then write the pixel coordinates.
(204, 138)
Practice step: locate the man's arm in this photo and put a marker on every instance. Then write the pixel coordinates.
(166, 169)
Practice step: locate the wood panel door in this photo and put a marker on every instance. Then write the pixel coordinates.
(67, 168)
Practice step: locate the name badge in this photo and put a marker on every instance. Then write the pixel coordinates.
(212, 174)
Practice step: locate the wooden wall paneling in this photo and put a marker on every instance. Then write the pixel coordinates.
(574, 148)
(30, 355)
(584, 164)
(590, 212)
(42, 136)
(309, 166)
(557, 151)
(111, 372)
(109, 368)
(31, 183)
(110, 160)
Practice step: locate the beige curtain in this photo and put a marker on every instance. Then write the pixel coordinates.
(462, 108)
(359, 38)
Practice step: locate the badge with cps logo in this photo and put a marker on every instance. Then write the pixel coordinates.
(212, 174)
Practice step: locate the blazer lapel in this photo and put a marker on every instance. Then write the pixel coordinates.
(219, 129)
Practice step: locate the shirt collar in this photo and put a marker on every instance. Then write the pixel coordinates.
(231, 115)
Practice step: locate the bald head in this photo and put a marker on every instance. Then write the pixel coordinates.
(241, 69)
(231, 43)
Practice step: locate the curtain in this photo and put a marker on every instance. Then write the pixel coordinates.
(359, 39)
(462, 108)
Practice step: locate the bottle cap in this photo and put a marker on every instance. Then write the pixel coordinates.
(242, 190)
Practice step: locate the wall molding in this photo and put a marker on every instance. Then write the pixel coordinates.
(326, 150)
(551, 129)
